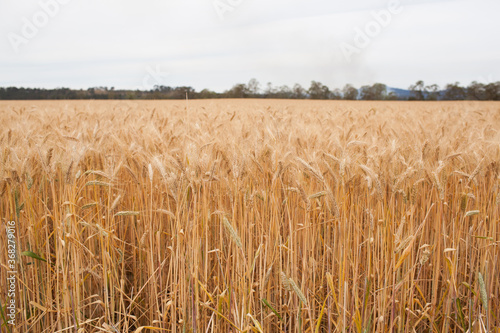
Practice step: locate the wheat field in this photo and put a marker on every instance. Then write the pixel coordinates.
(251, 216)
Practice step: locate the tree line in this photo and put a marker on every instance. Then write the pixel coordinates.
(253, 89)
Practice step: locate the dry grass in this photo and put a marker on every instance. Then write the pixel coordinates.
(261, 216)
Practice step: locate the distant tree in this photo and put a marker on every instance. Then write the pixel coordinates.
(163, 89)
(476, 91)
(284, 92)
(180, 93)
(391, 96)
(253, 87)
(205, 93)
(349, 92)
(377, 91)
(270, 91)
(365, 92)
(161, 92)
(417, 91)
(318, 90)
(335, 94)
(492, 91)
(298, 91)
(454, 92)
(130, 95)
(237, 91)
(432, 92)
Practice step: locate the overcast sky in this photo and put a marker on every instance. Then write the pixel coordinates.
(216, 43)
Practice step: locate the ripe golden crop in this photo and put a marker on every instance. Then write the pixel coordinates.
(252, 215)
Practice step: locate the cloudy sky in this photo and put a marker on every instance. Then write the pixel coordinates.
(216, 43)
